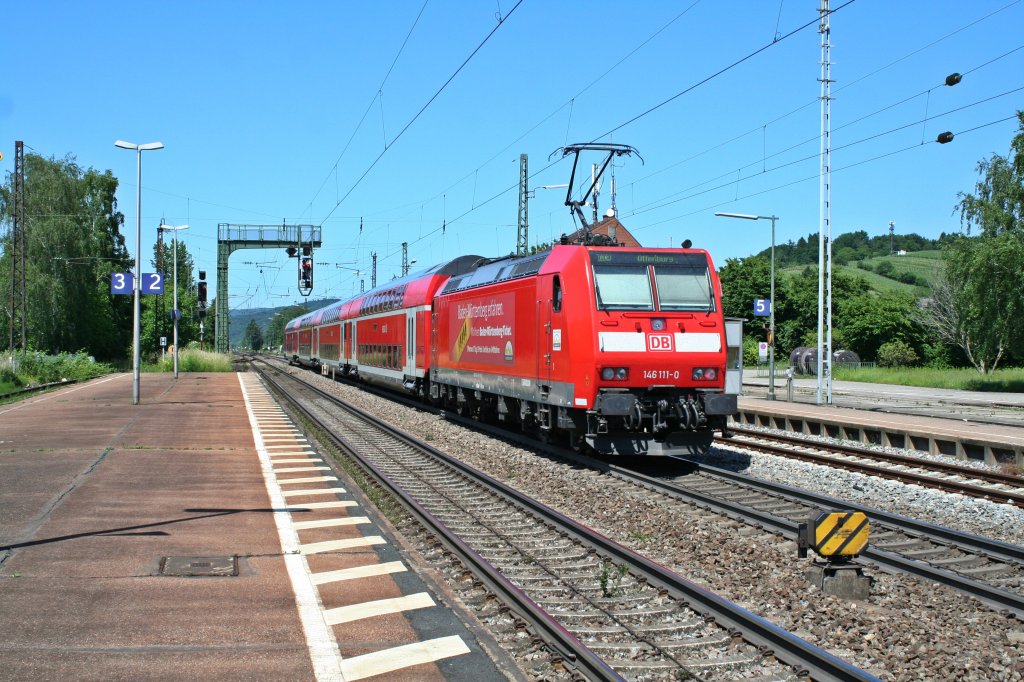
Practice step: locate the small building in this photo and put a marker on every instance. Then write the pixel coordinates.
(612, 229)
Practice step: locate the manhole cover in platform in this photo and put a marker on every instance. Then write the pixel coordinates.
(217, 566)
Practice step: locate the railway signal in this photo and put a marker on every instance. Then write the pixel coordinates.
(201, 291)
(305, 274)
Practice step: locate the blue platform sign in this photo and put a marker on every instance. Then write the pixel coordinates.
(762, 307)
(152, 283)
(122, 283)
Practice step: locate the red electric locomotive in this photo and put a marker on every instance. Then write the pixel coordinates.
(618, 349)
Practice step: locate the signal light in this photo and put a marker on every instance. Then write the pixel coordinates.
(291, 251)
(307, 250)
(201, 287)
(202, 275)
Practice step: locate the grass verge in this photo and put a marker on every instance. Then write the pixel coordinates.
(1010, 380)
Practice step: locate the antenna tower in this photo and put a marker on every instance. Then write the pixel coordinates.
(522, 236)
(825, 231)
(19, 291)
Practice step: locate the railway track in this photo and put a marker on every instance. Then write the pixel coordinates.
(989, 485)
(607, 611)
(988, 570)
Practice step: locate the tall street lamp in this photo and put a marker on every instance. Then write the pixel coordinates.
(137, 353)
(771, 298)
(176, 314)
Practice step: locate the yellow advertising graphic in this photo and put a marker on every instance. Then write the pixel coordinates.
(482, 330)
(462, 340)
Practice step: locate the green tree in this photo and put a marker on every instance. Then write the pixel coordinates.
(156, 309)
(73, 244)
(274, 336)
(253, 335)
(980, 306)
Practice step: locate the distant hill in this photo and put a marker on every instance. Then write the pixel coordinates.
(239, 319)
(851, 247)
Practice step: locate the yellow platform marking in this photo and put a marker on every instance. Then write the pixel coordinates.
(380, 607)
(349, 543)
(330, 523)
(358, 572)
(390, 660)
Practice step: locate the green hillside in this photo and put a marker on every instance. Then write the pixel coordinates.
(919, 269)
(239, 319)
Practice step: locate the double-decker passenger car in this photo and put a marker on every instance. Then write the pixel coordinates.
(618, 349)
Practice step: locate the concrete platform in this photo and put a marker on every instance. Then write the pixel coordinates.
(96, 494)
(959, 424)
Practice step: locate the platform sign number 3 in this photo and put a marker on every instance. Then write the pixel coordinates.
(122, 283)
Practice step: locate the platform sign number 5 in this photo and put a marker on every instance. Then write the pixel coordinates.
(122, 283)
(762, 307)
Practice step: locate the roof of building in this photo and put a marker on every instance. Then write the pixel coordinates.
(623, 237)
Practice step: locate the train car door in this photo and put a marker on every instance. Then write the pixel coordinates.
(544, 335)
(410, 343)
(315, 350)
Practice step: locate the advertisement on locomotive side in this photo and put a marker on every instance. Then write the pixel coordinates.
(483, 330)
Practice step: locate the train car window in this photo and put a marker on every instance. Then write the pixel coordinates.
(684, 288)
(556, 294)
(623, 287)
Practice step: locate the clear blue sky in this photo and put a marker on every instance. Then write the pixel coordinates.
(256, 102)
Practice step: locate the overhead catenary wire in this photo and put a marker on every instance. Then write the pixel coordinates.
(430, 101)
(902, 150)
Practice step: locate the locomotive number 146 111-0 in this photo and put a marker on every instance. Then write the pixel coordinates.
(660, 374)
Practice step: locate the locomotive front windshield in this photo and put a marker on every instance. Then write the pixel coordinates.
(681, 282)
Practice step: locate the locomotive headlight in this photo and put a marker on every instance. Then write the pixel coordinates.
(705, 373)
(614, 373)
(607, 373)
(621, 373)
(658, 324)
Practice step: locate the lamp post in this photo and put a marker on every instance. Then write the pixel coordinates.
(771, 298)
(137, 314)
(176, 313)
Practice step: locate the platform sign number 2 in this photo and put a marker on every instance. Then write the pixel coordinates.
(124, 283)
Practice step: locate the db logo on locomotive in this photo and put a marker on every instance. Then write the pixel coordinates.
(659, 342)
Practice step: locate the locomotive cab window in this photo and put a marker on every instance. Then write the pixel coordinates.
(623, 287)
(684, 288)
(556, 294)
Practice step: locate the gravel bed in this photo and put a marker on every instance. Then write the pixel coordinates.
(909, 629)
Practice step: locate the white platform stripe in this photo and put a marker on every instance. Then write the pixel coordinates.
(323, 648)
(328, 664)
(295, 470)
(304, 460)
(292, 444)
(399, 657)
(314, 491)
(305, 506)
(328, 523)
(358, 572)
(349, 543)
(310, 479)
(380, 607)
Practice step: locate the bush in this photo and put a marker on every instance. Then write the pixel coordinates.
(194, 360)
(884, 268)
(39, 368)
(896, 354)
